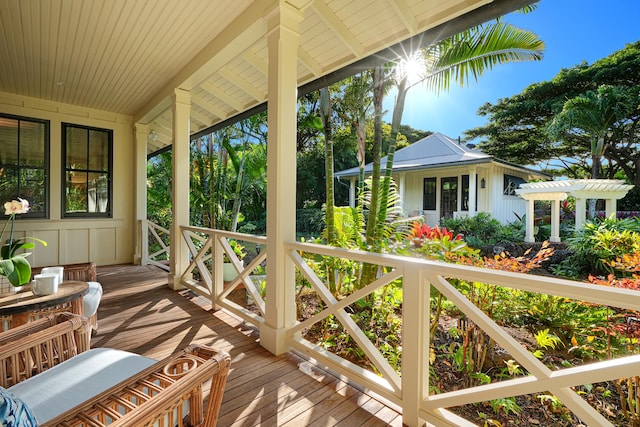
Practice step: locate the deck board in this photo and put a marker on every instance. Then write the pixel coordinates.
(139, 313)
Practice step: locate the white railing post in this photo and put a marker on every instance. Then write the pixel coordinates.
(144, 241)
(415, 344)
(217, 285)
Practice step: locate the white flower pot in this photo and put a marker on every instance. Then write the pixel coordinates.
(228, 272)
(6, 288)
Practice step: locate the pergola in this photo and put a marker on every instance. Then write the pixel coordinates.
(582, 189)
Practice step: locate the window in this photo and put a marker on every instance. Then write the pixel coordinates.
(24, 162)
(88, 159)
(511, 183)
(465, 193)
(429, 196)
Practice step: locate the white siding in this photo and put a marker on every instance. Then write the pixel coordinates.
(490, 199)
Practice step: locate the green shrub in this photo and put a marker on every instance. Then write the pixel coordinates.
(598, 243)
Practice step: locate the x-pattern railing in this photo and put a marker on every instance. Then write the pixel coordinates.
(410, 388)
(160, 236)
(207, 249)
(417, 275)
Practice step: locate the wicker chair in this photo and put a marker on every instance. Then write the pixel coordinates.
(32, 348)
(170, 392)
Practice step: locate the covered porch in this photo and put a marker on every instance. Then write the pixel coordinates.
(140, 314)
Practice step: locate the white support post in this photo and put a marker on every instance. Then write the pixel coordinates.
(555, 221)
(282, 40)
(473, 191)
(401, 189)
(610, 207)
(140, 164)
(415, 345)
(180, 200)
(581, 212)
(529, 235)
(352, 192)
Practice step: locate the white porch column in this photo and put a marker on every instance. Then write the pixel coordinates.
(473, 191)
(352, 192)
(581, 211)
(401, 188)
(282, 40)
(180, 197)
(529, 235)
(142, 237)
(555, 221)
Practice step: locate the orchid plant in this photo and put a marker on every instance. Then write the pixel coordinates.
(15, 267)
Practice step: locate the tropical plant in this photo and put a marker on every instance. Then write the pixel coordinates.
(15, 267)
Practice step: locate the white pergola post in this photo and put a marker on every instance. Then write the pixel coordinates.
(179, 253)
(610, 207)
(555, 221)
(529, 235)
(282, 39)
(142, 236)
(581, 211)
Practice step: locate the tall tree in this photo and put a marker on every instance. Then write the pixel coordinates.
(517, 126)
(456, 59)
(594, 117)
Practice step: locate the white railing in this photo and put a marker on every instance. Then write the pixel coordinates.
(410, 388)
(156, 235)
(204, 276)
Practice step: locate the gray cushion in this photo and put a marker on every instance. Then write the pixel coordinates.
(91, 300)
(76, 380)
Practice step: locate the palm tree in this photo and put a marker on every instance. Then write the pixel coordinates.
(457, 58)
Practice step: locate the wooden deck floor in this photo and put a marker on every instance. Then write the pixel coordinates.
(139, 313)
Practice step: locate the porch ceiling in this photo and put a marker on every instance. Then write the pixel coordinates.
(127, 56)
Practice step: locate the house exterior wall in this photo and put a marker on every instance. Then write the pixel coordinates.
(71, 240)
(490, 199)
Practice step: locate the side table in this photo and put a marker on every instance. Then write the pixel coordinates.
(23, 307)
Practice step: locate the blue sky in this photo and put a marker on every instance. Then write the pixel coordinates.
(573, 31)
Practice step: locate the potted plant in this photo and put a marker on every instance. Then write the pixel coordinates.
(228, 271)
(15, 269)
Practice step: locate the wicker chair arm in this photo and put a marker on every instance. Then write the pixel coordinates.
(32, 348)
(158, 393)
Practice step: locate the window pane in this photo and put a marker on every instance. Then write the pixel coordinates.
(9, 140)
(33, 189)
(98, 195)
(8, 184)
(32, 144)
(98, 151)
(76, 192)
(24, 147)
(76, 148)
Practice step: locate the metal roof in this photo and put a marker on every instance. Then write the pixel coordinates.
(436, 151)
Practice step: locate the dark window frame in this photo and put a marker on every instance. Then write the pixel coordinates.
(66, 170)
(428, 199)
(510, 183)
(18, 167)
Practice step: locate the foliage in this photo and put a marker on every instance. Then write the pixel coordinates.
(599, 243)
(517, 126)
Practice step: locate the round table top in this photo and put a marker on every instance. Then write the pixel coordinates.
(26, 300)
